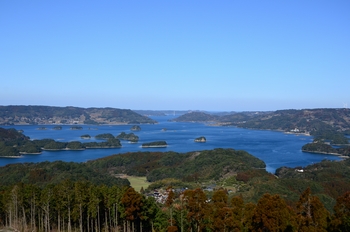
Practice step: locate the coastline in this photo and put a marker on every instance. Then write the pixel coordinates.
(155, 146)
(326, 153)
(12, 157)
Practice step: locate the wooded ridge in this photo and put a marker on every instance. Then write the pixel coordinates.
(44, 115)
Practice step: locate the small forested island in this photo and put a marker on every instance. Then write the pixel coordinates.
(14, 143)
(86, 136)
(76, 128)
(129, 137)
(135, 128)
(201, 139)
(104, 136)
(57, 128)
(155, 144)
(42, 128)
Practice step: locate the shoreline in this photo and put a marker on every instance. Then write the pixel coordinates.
(12, 157)
(326, 153)
(155, 146)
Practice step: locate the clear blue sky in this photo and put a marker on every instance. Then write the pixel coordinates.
(232, 55)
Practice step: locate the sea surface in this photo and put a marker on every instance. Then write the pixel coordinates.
(276, 149)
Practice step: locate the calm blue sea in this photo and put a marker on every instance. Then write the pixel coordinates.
(276, 149)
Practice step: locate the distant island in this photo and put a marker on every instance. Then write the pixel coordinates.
(104, 136)
(201, 139)
(155, 144)
(50, 115)
(13, 144)
(129, 137)
(135, 128)
(76, 128)
(86, 136)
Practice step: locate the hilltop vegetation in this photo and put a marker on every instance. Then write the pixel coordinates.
(46, 173)
(238, 171)
(244, 197)
(187, 167)
(36, 115)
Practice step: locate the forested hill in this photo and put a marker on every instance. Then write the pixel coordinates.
(29, 115)
(192, 166)
(304, 120)
(196, 117)
(45, 173)
(284, 120)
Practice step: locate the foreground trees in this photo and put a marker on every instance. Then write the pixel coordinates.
(83, 206)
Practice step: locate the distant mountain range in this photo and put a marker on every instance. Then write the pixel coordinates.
(45, 115)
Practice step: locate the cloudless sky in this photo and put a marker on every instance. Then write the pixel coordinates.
(231, 55)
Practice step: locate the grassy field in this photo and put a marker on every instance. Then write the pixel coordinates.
(138, 182)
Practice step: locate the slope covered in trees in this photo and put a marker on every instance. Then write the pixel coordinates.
(46, 173)
(193, 166)
(83, 206)
(244, 197)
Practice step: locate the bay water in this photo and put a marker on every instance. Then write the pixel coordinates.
(276, 149)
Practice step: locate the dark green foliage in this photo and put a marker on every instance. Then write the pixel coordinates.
(54, 172)
(8, 150)
(130, 137)
(12, 135)
(192, 166)
(54, 145)
(155, 144)
(104, 136)
(13, 142)
(75, 145)
(110, 143)
(318, 147)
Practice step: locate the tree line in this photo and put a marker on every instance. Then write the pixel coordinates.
(83, 206)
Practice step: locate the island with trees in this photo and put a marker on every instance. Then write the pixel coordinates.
(85, 136)
(104, 136)
(201, 139)
(135, 128)
(129, 137)
(13, 144)
(155, 144)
